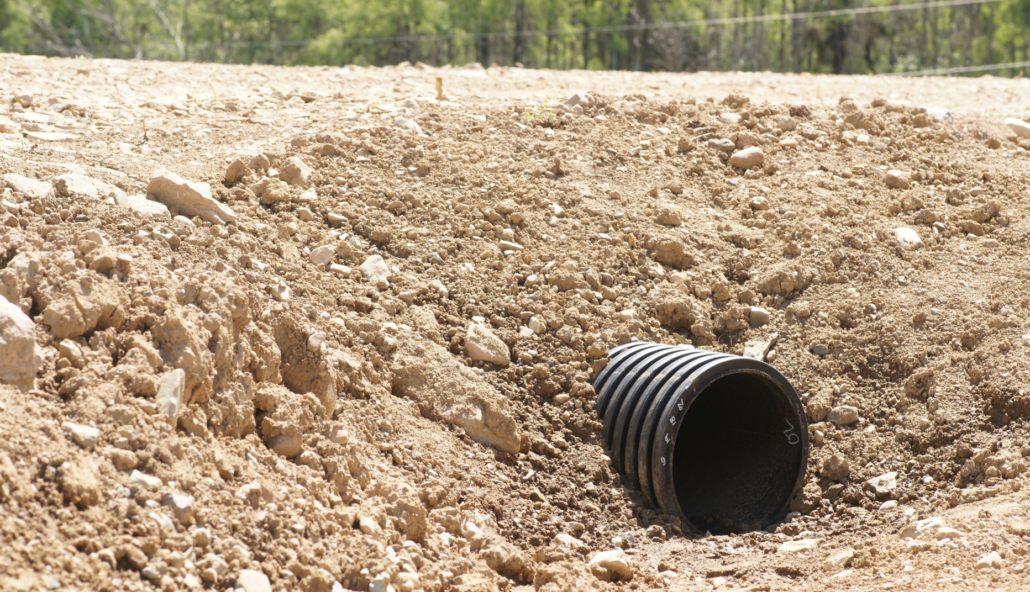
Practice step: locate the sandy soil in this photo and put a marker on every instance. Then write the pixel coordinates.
(360, 356)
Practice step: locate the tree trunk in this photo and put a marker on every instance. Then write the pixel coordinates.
(519, 52)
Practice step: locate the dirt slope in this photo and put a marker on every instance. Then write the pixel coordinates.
(360, 357)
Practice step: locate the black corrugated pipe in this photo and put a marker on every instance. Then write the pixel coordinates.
(719, 441)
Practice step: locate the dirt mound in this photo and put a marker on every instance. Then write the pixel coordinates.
(348, 341)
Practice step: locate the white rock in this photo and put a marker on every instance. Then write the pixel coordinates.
(838, 561)
(611, 565)
(798, 546)
(322, 255)
(991, 560)
(281, 292)
(31, 188)
(253, 581)
(1018, 127)
(76, 186)
(669, 215)
(898, 179)
(907, 237)
(759, 202)
(180, 504)
(139, 478)
(407, 125)
(315, 341)
(510, 246)
(83, 435)
(171, 388)
(20, 357)
(526, 332)
(296, 172)
(368, 525)
(374, 269)
(747, 158)
(759, 316)
(147, 207)
(883, 484)
(190, 198)
(482, 344)
(843, 415)
(918, 529)
(730, 118)
(537, 325)
(201, 537)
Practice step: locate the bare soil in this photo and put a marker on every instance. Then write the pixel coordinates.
(335, 430)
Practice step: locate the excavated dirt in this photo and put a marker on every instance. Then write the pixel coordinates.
(377, 374)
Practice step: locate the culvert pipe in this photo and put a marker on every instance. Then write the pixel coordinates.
(718, 440)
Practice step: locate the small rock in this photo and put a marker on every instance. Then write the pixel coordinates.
(315, 341)
(368, 525)
(201, 537)
(798, 546)
(181, 506)
(820, 349)
(747, 158)
(253, 581)
(883, 485)
(611, 565)
(888, 505)
(759, 202)
(482, 344)
(898, 179)
(322, 255)
(918, 529)
(375, 270)
(407, 125)
(83, 435)
(907, 237)
(836, 468)
(758, 316)
(668, 215)
(991, 560)
(839, 561)
(843, 415)
(190, 198)
(946, 532)
(20, 357)
(281, 292)
(139, 478)
(538, 326)
(1018, 127)
(171, 388)
(296, 172)
(236, 172)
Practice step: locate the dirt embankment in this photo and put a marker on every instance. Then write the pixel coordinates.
(312, 326)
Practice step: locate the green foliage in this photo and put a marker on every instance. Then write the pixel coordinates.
(660, 35)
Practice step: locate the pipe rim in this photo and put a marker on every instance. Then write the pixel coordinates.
(662, 476)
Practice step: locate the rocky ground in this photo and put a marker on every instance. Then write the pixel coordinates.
(319, 329)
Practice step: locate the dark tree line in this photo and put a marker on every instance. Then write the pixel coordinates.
(593, 34)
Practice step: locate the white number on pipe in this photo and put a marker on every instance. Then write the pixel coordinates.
(789, 432)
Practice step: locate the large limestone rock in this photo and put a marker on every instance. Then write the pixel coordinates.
(20, 357)
(76, 186)
(190, 198)
(146, 207)
(483, 345)
(427, 373)
(31, 188)
(374, 269)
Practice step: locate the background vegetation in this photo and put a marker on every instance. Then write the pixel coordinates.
(594, 34)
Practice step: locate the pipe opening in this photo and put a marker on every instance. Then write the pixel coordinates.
(738, 454)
